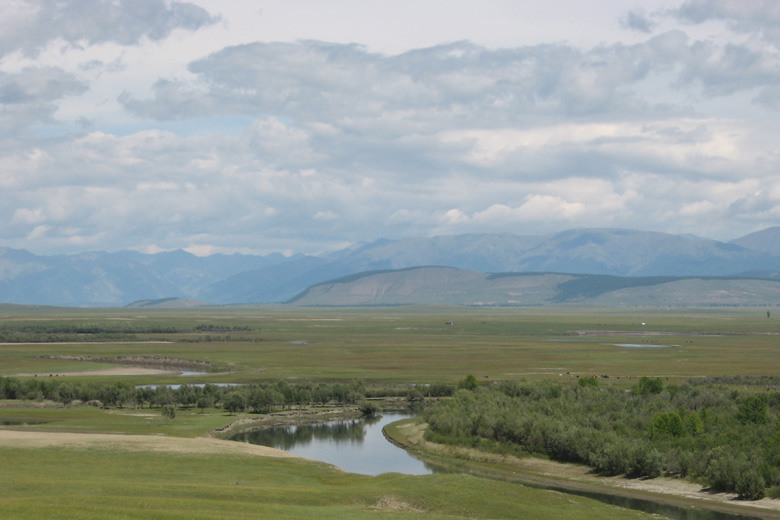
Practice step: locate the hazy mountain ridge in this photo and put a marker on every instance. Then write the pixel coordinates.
(449, 286)
(767, 240)
(102, 278)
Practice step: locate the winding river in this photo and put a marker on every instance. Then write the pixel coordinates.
(358, 446)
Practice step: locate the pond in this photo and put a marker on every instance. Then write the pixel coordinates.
(643, 345)
(359, 446)
(21, 422)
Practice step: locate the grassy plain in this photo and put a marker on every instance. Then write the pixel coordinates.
(379, 345)
(60, 483)
(412, 345)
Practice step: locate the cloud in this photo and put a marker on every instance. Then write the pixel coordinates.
(458, 83)
(30, 25)
(302, 145)
(30, 96)
(637, 21)
(760, 17)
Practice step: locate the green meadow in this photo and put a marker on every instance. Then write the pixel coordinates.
(405, 345)
(383, 347)
(81, 483)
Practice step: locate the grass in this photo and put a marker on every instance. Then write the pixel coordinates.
(86, 419)
(87, 484)
(415, 345)
(380, 345)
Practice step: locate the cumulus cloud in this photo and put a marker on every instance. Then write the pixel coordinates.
(757, 16)
(302, 145)
(637, 21)
(30, 96)
(458, 83)
(30, 25)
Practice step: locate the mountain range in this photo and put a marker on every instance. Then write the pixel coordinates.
(123, 277)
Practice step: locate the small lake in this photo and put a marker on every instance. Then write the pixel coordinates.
(21, 422)
(358, 446)
(643, 345)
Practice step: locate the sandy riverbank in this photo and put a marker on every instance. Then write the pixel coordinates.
(575, 476)
(121, 442)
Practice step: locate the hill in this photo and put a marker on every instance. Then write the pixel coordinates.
(118, 278)
(767, 240)
(443, 285)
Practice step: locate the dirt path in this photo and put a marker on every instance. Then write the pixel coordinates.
(103, 441)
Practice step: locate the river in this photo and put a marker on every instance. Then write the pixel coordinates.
(358, 446)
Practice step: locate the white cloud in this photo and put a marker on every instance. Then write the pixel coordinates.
(260, 130)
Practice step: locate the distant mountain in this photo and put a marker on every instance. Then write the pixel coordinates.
(767, 241)
(115, 279)
(272, 283)
(168, 303)
(618, 252)
(448, 286)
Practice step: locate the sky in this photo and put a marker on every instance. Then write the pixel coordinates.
(302, 126)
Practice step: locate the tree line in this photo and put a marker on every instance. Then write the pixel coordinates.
(259, 398)
(727, 438)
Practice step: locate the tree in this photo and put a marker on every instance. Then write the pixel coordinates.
(648, 385)
(753, 409)
(667, 423)
(235, 402)
(205, 402)
(468, 383)
(369, 408)
(169, 411)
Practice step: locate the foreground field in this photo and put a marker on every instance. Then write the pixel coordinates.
(152, 467)
(70, 476)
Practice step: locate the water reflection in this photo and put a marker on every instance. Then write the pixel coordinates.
(357, 446)
(288, 437)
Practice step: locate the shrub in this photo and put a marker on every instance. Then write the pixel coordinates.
(368, 408)
(169, 412)
(647, 385)
(750, 485)
(753, 409)
(588, 382)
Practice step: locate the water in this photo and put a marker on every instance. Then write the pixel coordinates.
(21, 422)
(638, 345)
(198, 385)
(358, 446)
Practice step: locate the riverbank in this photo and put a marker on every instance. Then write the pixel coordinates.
(307, 416)
(285, 418)
(408, 434)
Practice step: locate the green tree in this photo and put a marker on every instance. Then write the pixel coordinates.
(753, 409)
(235, 402)
(667, 423)
(205, 402)
(468, 383)
(647, 385)
(588, 382)
(169, 411)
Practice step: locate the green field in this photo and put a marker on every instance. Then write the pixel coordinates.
(411, 345)
(381, 346)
